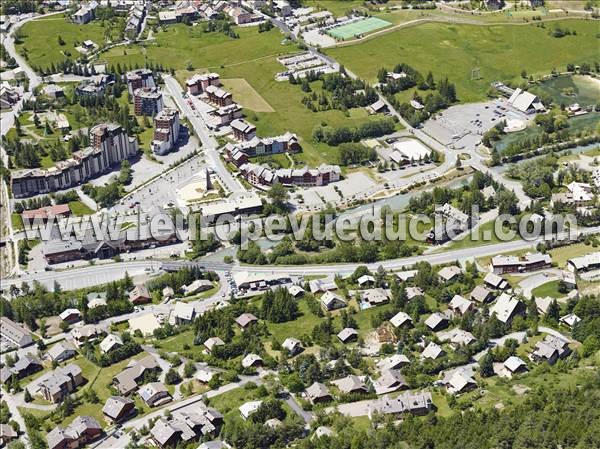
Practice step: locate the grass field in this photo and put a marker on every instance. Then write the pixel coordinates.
(477, 239)
(78, 208)
(246, 96)
(564, 253)
(336, 7)
(548, 289)
(358, 28)
(41, 39)
(180, 46)
(500, 51)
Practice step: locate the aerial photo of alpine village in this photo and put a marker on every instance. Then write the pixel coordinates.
(310, 224)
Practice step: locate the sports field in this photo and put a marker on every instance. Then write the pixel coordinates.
(358, 28)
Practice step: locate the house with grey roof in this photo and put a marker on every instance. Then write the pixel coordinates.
(389, 381)
(185, 427)
(212, 342)
(433, 351)
(401, 319)
(13, 334)
(117, 409)
(366, 280)
(395, 362)
(507, 307)
(26, 365)
(245, 320)
(350, 384)
(252, 360)
(513, 365)
(570, 320)
(494, 281)
(317, 393)
(110, 342)
(550, 349)
(96, 299)
(154, 394)
(347, 335)
(332, 301)
(415, 403)
(457, 337)
(127, 380)
(459, 381)
(460, 305)
(320, 285)
(292, 345)
(437, 321)
(481, 295)
(413, 292)
(249, 408)
(61, 351)
(183, 313)
(375, 296)
(448, 274)
(82, 431)
(7, 434)
(86, 333)
(57, 384)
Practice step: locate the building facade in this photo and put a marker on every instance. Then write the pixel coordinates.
(138, 79)
(109, 145)
(147, 101)
(166, 131)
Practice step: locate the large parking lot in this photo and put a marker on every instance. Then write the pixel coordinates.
(354, 186)
(462, 126)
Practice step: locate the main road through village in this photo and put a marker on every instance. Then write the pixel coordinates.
(97, 274)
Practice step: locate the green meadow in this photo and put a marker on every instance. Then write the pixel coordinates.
(452, 50)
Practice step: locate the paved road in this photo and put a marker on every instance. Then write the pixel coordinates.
(307, 417)
(16, 416)
(98, 274)
(532, 282)
(209, 144)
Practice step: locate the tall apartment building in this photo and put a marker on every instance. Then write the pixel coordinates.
(147, 101)
(137, 79)
(166, 131)
(109, 145)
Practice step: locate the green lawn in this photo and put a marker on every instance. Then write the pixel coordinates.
(564, 253)
(336, 7)
(41, 39)
(230, 401)
(548, 289)
(78, 208)
(17, 221)
(302, 325)
(500, 51)
(477, 239)
(180, 45)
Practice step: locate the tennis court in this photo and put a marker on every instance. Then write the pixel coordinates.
(357, 28)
